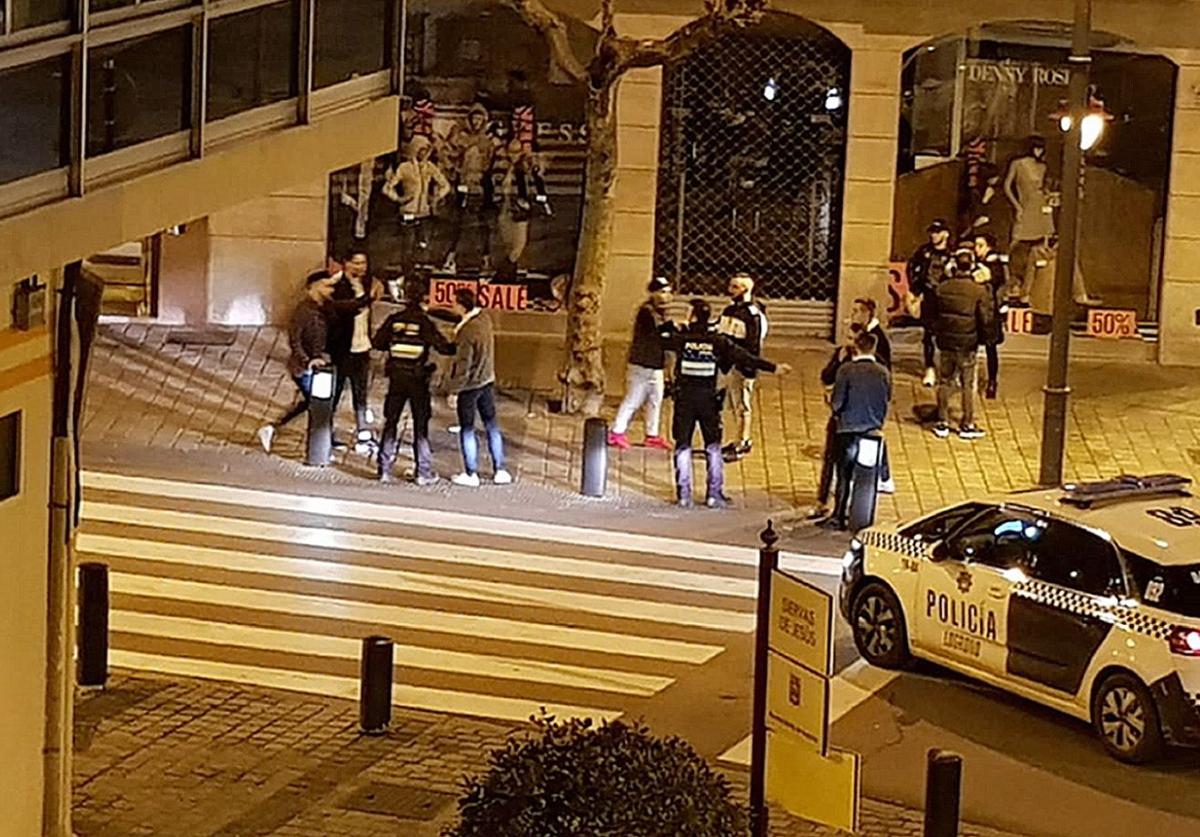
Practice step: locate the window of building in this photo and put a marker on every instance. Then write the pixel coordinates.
(107, 5)
(28, 13)
(351, 39)
(10, 456)
(138, 90)
(33, 118)
(252, 59)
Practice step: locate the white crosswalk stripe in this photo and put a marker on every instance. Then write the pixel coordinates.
(260, 587)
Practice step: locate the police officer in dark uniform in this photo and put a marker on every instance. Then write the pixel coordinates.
(700, 353)
(408, 336)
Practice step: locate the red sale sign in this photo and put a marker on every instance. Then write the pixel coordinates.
(500, 297)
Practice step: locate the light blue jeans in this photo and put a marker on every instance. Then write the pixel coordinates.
(642, 386)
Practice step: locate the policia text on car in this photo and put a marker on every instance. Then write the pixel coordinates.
(701, 354)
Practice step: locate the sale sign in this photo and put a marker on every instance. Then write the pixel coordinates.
(500, 297)
(1112, 324)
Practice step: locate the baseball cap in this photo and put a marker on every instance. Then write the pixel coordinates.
(658, 283)
(939, 225)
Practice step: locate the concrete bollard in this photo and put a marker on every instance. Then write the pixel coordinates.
(375, 686)
(595, 458)
(92, 664)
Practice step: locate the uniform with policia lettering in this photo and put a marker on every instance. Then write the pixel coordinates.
(700, 354)
(407, 337)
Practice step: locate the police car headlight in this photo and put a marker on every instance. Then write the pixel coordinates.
(853, 555)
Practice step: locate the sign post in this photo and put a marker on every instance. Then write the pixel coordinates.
(793, 664)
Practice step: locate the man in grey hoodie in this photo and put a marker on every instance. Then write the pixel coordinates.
(473, 383)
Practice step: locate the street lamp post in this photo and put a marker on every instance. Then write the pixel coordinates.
(1054, 415)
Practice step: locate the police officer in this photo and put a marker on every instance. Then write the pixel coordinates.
(408, 336)
(700, 353)
(744, 322)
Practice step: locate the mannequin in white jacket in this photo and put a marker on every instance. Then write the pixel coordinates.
(417, 186)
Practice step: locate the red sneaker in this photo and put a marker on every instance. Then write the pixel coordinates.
(618, 440)
(657, 442)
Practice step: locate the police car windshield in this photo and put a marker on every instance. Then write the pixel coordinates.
(1172, 588)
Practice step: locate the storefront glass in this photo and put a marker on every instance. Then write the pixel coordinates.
(252, 58)
(33, 123)
(27, 13)
(489, 182)
(138, 90)
(981, 146)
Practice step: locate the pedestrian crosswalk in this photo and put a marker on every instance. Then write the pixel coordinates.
(491, 618)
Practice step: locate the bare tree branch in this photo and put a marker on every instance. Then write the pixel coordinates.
(721, 17)
(553, 29)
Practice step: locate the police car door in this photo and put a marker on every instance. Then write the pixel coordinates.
(1061, 610)
(963, 594)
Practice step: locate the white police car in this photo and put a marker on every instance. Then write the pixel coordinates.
(1085, 599)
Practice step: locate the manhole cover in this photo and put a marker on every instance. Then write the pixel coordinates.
(402, 801)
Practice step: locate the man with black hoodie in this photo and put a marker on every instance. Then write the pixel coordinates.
(963, 314)
(644, 375)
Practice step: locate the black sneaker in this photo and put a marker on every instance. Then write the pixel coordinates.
(970, 432)
(941, 430)
(832, 524)
(993, 388)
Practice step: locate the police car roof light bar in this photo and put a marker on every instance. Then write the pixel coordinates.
(1127, 486)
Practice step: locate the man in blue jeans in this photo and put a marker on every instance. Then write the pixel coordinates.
(473, 383)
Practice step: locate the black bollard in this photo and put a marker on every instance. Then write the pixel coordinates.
(943, 786)
(319, 447)
(864, 484)
(92, 664)
(375, 686)
(595, 458)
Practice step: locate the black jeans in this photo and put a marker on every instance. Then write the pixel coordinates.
(828, 462)
(414, 391)
(993, 361)
(697, 406)
(354, 368)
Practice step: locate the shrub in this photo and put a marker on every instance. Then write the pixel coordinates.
(574, 779)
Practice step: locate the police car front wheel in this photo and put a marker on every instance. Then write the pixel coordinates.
(877, 622)
(1124, 714)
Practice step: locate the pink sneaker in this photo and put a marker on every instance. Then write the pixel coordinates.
(657, 442)
(618, 440)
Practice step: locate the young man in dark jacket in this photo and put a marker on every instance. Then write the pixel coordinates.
(308, 339)
(408, 337)
(963, 320)
(350, 337)
(644, 372)
(700, 354)
(744, 323)
(862, 393)
(926, 269)
(992, 274)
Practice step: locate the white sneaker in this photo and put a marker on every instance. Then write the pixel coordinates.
(454, 428)
(887, 486)
(370, 416)
(466, 480)
(930, 378)
(502, 477)
(266, 436)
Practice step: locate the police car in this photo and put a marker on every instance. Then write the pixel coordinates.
(1085, 599)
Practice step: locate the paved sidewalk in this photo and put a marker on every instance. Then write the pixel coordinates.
(167, 409)
(194, 758)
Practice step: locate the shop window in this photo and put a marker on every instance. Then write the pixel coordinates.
(252, 58)
(27, 13)
(351, 39)
(489, 180)
(33, 118)
(981, 147)
(138, 90)
(10, 456)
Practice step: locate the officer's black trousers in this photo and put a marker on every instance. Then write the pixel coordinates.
(414, 391)
(697, 405)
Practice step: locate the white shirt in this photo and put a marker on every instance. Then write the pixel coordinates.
(361, 340)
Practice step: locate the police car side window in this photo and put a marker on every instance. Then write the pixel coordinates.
(996, 538)
(1076, 559)
(937, 526)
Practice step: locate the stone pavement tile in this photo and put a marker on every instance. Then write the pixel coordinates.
(170, 756)
(149, 400)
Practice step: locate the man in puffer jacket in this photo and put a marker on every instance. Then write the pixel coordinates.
(962, 320)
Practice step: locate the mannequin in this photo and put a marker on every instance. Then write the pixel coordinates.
(1025, 187)
(417, 186)
(469, 151)
(521, 191)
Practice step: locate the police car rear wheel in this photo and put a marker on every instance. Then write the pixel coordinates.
(878, 626)
(1124, 714)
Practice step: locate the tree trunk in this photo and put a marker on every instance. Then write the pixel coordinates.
(583, 370)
